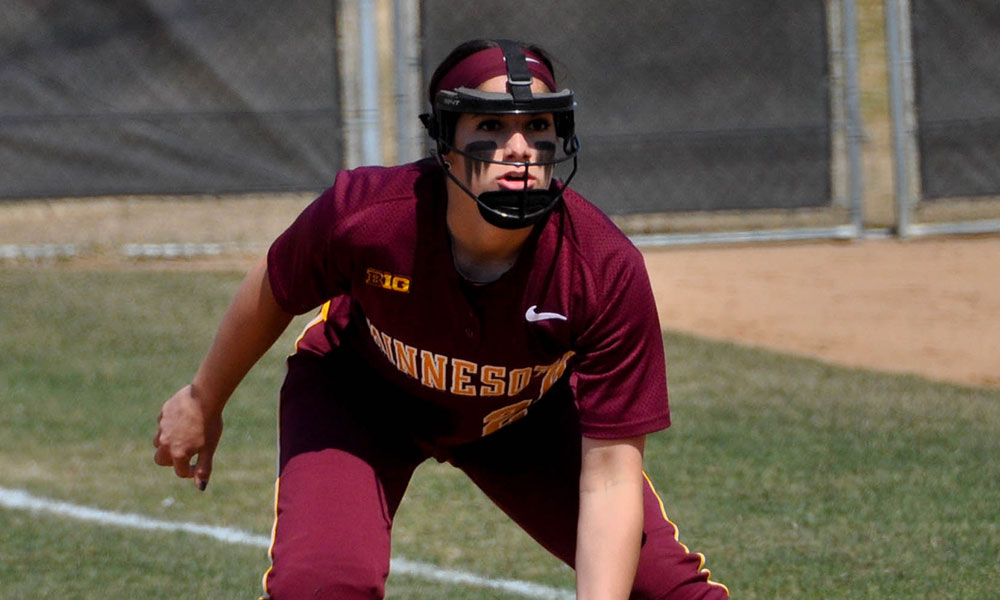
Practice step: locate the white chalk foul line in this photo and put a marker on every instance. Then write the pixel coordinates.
(22, 500)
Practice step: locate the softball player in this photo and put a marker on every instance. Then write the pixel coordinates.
(474, 310)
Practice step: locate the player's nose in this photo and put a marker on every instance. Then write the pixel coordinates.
(517, 146)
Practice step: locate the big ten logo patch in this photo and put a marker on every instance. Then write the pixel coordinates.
(387, 281)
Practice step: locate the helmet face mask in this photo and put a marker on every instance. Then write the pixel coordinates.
(515, 208)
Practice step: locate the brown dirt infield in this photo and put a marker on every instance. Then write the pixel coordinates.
(929, 307)
(924, 306)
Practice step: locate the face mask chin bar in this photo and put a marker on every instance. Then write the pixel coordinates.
(507, 209)
(514, 209)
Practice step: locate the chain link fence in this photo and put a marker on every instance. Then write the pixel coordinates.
(944, 77)
(684, 105)
(167, 97)
(687, 107)
(957, 76)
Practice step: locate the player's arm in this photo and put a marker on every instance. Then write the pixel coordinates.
(190, 422)
(609, 530)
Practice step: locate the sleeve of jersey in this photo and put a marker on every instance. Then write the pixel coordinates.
(305, 265)
(621, 378)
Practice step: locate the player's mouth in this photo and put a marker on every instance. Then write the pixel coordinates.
(515, 180)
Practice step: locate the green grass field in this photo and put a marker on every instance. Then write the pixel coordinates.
(796, 479)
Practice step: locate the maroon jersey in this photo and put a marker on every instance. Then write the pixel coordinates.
(576, 308)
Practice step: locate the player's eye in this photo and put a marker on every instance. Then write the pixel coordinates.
(489, 125)
(539, 124)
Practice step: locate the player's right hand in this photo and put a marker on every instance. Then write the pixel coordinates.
(187, 429)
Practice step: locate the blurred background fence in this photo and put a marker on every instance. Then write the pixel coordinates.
(945, 90)
(686, 106)
(167, 97)
(701, 120)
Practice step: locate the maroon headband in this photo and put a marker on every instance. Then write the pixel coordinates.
(476, 68)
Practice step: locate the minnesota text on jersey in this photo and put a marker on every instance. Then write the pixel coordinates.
(464, 377)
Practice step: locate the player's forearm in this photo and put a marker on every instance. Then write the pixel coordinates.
(609, 530)
(249, 327)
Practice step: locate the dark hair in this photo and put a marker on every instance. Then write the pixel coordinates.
(469, 48)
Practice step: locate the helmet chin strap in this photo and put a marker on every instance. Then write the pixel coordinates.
(511, 209)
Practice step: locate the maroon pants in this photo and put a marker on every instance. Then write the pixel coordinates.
(344, 466)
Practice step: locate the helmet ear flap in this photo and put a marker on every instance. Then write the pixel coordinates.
(433, 127)
(565, 124)
(430, 124)
(441, 127)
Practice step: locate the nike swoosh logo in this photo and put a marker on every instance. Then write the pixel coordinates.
(533, 316)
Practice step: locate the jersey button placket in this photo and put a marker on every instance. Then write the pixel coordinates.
(471, 326)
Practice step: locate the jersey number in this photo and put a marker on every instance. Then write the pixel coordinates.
(504, 416)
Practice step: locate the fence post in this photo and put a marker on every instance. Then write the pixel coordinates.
(357, 52)
(370, 110)
(897, 29)
(347, 69)
(409, 95)
(855, 127)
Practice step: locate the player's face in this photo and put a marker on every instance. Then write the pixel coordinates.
(514, 138)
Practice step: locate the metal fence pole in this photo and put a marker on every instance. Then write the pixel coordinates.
(357, 49)
(855, 127)
(406, 28)
(347, 67)
(370, 110)
(899, 60)
(838, 105)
